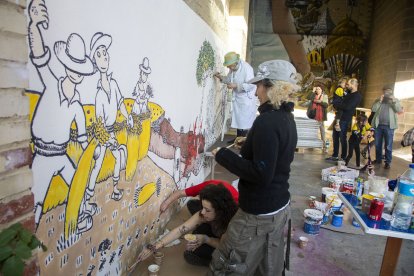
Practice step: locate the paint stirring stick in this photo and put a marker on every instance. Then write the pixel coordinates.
(229, 146)
(130, 268)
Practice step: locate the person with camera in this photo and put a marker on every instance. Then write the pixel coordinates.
(319, 102)
(385, 122)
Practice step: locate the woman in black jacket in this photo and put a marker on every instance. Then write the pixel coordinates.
(254, 239)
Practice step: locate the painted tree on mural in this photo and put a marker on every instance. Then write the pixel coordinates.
(205, 63)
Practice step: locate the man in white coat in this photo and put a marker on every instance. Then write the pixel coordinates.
(244, 99)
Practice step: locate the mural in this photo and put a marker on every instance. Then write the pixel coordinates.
(110, 145)
(334, 49)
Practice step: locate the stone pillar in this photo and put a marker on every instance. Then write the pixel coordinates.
(391, 57)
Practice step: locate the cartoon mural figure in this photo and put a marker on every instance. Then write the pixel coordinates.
(58, 107)
(143, 90)
(108, 100)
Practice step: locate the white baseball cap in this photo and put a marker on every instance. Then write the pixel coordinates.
(276, 70)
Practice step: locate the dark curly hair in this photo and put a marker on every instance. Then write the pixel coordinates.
(223, 203)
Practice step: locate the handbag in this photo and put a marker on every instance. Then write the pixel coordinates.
(311, 113)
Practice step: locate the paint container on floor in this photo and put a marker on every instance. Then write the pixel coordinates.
(326, 191)
(334, 201)
(337, 218)
(313, 219)
(153, 270)
(303, 242)
(158, 256)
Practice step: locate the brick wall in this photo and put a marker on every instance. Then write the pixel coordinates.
(391, 55)
(16, 199)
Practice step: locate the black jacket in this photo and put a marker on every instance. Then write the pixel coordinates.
(349, 104)
(264, 165)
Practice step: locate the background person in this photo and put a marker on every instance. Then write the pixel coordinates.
(338, 98)
(218, 209)
(244, 100)
(348, 106)
(359, 130)
(254, 239)
(319, 101)
(385, 123)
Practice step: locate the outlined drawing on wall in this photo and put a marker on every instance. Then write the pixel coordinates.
(60, 95)
(111, 184)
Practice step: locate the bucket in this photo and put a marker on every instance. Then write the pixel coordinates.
(325, 191)
(310, 228)
(337, 218)
(313, 219)
(336, 203)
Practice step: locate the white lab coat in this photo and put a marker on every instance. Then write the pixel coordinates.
(244, 98)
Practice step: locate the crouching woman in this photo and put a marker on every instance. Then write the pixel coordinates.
(218, 207)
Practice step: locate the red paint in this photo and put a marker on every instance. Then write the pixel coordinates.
(347, 189)
(375, 211)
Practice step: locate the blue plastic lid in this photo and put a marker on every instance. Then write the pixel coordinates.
(411, 166)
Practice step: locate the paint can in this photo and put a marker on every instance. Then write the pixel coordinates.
(311, 228)
(375, 210)
(326, 191)
(313, 219)
(337, 218)
(348, 186)
(366, 202)
(335, 202)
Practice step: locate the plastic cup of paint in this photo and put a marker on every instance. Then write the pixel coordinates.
(158, 256)
(153, 270)
(337, 218)
(303, 242)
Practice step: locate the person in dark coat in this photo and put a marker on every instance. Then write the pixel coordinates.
(253, 243)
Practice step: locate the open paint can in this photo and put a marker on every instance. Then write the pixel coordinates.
(313, 220)
(337, 218)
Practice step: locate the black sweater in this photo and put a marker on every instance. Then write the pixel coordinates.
(349, 104)
(264, 165)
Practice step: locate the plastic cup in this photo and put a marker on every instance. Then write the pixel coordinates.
(303, 242)
(158, 256)
(190, 237)
(153, 270)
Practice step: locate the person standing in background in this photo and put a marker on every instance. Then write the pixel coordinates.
(319, 101)
(385, 123)
(348, 106)
(244, 99)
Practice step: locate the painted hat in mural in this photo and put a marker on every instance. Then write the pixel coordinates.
(231, 58)
(99, 39)
(144, 66)
(72, 55)
(281, 70)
